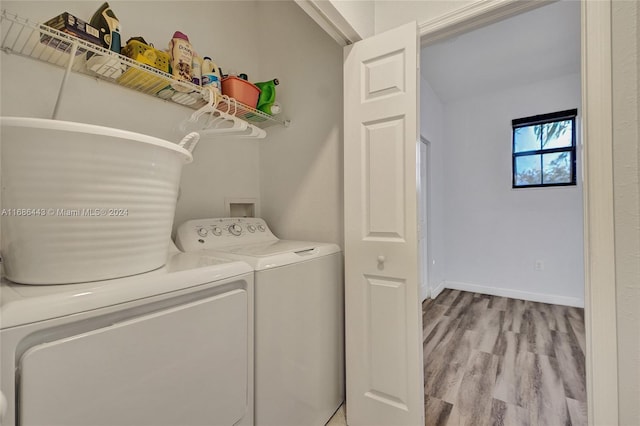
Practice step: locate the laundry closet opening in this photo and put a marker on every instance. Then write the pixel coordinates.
(502, 257)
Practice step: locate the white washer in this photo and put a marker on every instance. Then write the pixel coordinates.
(169, 347)
(299, 317)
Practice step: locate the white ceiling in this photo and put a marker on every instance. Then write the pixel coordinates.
(540, 44)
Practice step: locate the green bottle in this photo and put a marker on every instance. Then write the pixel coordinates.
(267, 95)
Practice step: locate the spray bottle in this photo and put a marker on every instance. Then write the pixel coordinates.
(267, 96)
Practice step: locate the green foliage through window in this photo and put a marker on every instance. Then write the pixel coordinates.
(544, 150)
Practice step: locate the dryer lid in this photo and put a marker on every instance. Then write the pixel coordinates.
(23, 304)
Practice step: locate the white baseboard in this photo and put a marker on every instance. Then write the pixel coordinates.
(424, 293)
(438, 289)
(515, 294)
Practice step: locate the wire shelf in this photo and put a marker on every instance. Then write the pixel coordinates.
(25, 38)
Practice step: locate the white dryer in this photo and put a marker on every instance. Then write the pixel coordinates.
(299, 317)
(169, 347)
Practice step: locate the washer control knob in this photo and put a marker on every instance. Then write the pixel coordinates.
(202, 232)
(261, 228)
(217, 231)
(235, 229)
(251, 228)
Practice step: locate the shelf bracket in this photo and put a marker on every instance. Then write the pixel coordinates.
(72, 56)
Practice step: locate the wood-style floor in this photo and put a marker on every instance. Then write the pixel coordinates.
(497, 361)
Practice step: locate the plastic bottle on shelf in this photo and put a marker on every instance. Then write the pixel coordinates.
(196, 70)
(267, 96)
(211, 74)
(181, 56)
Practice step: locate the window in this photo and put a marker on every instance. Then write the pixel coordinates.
(544, 150)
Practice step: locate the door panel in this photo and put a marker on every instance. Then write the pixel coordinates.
(384, 179)
(383, 314)
(386, 341)
(383, 76)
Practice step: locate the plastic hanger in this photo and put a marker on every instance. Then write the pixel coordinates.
(228, 124)
(220, 112)
(255, 133)
(210, 107)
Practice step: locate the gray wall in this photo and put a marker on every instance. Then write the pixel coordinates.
(301, 166)
(494, 235)
(294, 174)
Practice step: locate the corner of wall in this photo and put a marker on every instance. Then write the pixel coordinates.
(301, 165)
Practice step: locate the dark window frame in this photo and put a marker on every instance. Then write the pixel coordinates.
(566, 115)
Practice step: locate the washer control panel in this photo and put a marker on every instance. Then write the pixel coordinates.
(216, 233)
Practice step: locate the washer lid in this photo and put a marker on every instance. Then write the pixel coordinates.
(274, 247)
(274, 254)
(23, 304)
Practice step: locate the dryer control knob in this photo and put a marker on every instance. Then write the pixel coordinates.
(235, 229)
(202, 232)
(251, 228)
(261, 228)
(217, 231)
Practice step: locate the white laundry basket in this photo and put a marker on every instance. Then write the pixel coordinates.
(83, 202)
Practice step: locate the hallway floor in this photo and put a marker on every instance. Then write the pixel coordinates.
(500, 361)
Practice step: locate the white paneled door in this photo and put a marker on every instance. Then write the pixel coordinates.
(384, 367)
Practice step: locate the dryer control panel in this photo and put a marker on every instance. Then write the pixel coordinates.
(217, 233)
